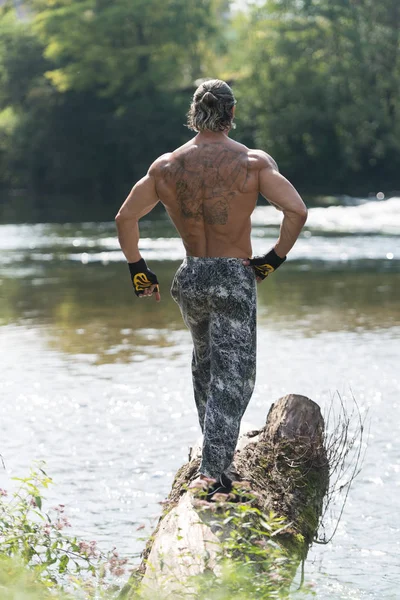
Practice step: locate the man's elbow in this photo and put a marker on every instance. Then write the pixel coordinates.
(302, 213)
(119, 219)
(123, 216)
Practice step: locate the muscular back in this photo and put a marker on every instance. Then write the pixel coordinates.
(209, 189)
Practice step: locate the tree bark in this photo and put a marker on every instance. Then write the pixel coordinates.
(285, 464)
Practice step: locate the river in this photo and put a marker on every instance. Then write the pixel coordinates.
(97, 383)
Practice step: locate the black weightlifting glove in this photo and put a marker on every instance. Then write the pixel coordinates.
(264, 265)
(142, 277)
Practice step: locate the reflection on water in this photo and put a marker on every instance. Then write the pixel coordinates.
(98, 383)
(92, 309)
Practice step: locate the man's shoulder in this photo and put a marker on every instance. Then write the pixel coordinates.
(160, 163)
(167, 160)
(262, 159)
(258, 158)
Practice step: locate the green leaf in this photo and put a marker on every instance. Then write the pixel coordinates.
(64, 560)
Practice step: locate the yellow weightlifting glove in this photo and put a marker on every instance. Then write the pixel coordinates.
(264, 265)
(141, 276)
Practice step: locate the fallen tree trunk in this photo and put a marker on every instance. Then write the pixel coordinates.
(285, 465)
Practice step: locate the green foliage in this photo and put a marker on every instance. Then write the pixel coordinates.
(250, 561)
(38, 560)
(16, 581)
(91, 92)
(323, 89)
(35, 538)
(122, 47)
(21, 61)
(97, 88)
(252, 564)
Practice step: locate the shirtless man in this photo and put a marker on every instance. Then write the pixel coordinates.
(209, 187)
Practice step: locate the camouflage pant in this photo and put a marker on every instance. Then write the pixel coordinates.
(217, 298)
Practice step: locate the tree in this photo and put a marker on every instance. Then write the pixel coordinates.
(111, 89)
(324, 88)
(23, 89)
(123, 46)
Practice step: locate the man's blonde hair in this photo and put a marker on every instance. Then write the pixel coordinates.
(211, 107)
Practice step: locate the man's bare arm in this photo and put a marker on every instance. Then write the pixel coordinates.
(281, 193)
(141, 200)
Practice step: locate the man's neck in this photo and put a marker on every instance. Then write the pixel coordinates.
(211, 137)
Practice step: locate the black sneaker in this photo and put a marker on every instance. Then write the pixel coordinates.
(223, 485)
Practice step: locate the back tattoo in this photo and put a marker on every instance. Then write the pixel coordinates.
(206, 181)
